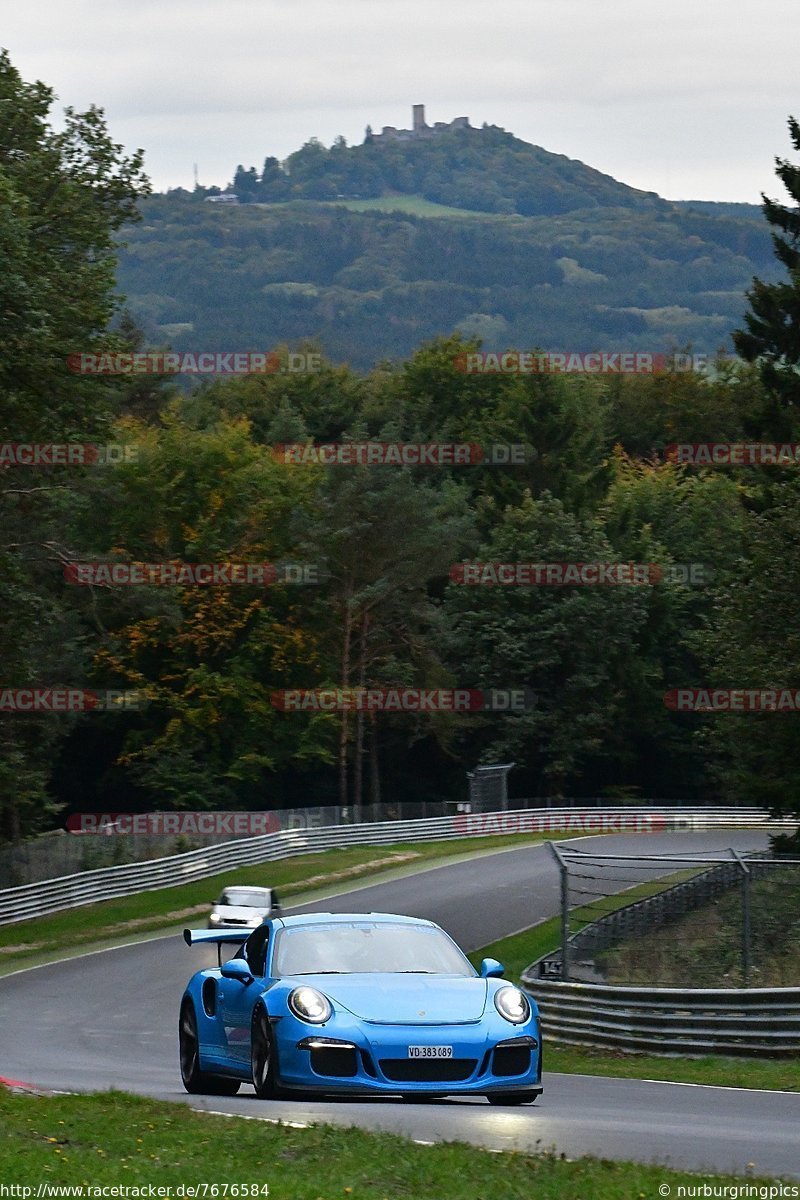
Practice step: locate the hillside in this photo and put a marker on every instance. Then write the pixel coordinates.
(369, 277)
(483, 170)
(372, 285)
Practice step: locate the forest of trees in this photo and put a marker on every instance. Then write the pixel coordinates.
(206, 486)
(374, 285)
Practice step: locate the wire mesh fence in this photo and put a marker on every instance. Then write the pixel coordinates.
(677, 921)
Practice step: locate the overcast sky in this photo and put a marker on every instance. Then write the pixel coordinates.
(688, 98)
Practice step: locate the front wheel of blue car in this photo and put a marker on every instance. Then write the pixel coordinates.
(195, 1081)
(263, 1057)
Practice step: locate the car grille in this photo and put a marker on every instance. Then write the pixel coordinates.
(427, 1070)
(511, 1060)
(329, 1057)
(334, 1060)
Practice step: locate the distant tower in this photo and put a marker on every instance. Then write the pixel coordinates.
(418, 111)
(196, 177)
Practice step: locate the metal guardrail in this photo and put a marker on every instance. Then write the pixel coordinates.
(752, 1021)
(57, 853)
(109, 883)
(51, 855)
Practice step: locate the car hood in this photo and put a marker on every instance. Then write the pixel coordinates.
(405, 999)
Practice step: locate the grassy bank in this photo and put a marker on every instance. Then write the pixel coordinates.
(776, 1074)
(417, 205)
(704, 948)
(521, 949)
(125, 1140)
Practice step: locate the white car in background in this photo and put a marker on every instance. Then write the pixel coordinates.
(244, 906)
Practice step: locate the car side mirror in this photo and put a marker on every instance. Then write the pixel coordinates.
(237, 968)
(491, 968)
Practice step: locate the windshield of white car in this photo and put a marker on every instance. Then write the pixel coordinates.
(368, 947)
(241, 898)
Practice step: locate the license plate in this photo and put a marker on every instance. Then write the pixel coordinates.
(430, 1051)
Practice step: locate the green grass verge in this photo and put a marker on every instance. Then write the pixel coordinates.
(776, 1074)
(518, 952)
(147, 912)
(417, 205)
(118, 1139)
(521, 949)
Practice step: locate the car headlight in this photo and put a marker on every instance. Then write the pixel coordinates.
(512, 1004)
(215, 918)
(310, 1005)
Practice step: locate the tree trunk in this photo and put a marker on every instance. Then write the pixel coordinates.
(374, 766)
(344, 729)
(358, 764)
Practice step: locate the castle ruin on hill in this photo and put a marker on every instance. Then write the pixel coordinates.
(419, 128)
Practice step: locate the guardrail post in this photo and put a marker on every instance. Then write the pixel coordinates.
(564, 871)
(746, 925)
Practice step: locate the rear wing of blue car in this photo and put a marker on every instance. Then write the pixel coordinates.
(216, 937)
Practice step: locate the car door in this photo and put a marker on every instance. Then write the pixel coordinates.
(237, 1000)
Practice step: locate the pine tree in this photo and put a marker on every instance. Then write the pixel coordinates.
(772, 333)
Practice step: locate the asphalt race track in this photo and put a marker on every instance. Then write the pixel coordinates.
(110, 1020)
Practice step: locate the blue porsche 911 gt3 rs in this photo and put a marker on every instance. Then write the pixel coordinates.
(361, 1003)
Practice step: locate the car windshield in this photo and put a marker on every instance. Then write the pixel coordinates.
(244, 898)
(367, 947)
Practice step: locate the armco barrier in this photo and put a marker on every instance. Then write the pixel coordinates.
(51, 855)
(752, 1021)
(109, 883)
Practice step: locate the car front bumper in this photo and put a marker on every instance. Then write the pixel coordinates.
(354, 1057)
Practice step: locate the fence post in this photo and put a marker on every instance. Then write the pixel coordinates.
(563, 869)
(746, 927)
